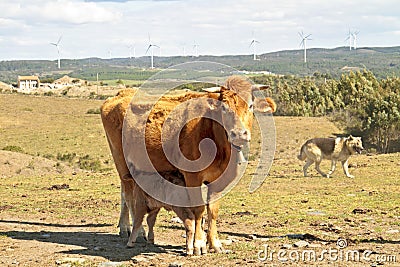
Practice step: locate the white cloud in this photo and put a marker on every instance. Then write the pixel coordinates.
(61, 11)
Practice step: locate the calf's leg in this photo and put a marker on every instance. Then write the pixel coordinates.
(151, 220)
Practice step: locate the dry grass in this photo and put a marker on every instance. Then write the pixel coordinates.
(364, 210)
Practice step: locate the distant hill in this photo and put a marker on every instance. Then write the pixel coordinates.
(382, 61)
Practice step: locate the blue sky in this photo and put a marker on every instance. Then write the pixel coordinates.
(104, 28)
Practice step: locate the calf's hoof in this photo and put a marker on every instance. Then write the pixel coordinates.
(124, 233)
(130, 244)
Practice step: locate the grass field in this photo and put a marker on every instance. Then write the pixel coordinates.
(71, 217)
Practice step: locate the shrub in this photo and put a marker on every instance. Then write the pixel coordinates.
(88, 163)
(93, 111)
(13, 149)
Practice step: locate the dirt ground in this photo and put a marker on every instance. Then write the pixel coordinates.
(55, 215)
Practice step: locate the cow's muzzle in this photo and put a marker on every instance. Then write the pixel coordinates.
(240, 157)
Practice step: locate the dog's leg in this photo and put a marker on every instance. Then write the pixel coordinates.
(318, 168)
(345, 165)
(308, 164)
(333, 168)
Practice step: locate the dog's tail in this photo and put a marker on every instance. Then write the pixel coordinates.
(302, 155)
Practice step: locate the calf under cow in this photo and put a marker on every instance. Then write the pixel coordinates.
(231, 106)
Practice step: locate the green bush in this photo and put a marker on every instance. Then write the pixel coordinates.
(93, 111)
(13, 149)
(88, 163)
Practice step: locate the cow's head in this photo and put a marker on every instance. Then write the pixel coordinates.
(236, 106)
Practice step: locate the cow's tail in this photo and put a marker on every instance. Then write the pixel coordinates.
(302, 155)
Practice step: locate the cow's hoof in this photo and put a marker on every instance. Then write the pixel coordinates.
(200, 247)
(200, 251)
(189, 251)
(142, 239)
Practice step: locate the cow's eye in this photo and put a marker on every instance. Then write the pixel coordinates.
(225, 108)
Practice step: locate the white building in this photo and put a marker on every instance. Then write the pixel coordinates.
(28, 83)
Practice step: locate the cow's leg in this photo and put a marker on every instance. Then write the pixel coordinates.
(151, 220)
(127, 185)
(212, 235)
(308, 164)
(333, 168)
(200, 240)
(345, 165)
(188, 219)
(124, 224)
(140, 212)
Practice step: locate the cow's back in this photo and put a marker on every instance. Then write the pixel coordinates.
(149, 121)
(113, 113)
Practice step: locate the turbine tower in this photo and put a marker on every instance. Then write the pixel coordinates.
(349, 38)
(254, 43)
(151, 46)
(303, 43)
(354, 34)
(57, 45)
(132, 48)
(196, 49)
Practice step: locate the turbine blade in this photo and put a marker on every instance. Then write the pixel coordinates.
(59, 40)
(148, 48)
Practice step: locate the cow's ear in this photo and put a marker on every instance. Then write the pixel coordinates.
(256, 87)
(351, 137)
(265, 105)
(213, 89)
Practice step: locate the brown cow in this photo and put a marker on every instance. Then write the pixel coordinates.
(236, 98)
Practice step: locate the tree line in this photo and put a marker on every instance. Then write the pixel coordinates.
(359, 102)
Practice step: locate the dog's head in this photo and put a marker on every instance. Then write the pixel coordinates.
(354, 144)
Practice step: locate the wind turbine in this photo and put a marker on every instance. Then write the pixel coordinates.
(196, 49)
(151, 46)
(254, 43)
(57, 45)
(354, 34)
(303, 43)
(349, 38)
(184, 49)
(132, 48)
